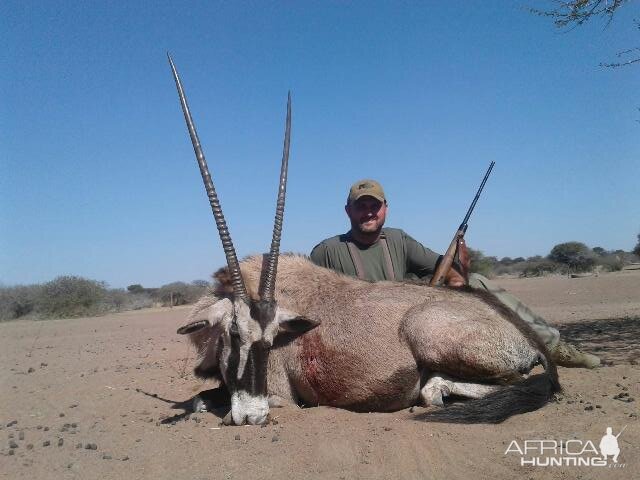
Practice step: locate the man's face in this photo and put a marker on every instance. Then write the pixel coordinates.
(367, 214)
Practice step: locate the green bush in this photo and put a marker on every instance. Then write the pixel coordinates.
(118, 300)
(538, 268)
(19, 301)
(71, 296)
(179, 293)
(610, 263)
(482, 264)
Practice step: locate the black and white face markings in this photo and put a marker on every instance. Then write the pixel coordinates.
(249, 333)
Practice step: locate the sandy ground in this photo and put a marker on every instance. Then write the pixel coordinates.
(122, 384)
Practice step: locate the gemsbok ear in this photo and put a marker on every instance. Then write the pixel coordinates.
(215, 314)
(293, 323)
(193, 327)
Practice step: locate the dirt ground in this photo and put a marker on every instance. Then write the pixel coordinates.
(108, 397)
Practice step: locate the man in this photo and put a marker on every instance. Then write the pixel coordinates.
(371, 252)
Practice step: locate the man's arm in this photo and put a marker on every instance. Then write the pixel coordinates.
(421, 260)
(319, 255)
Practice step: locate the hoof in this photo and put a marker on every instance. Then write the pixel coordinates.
(435, 390)
(198, 405)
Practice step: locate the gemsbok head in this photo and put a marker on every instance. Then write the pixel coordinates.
(244, 325)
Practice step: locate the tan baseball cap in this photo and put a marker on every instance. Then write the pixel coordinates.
(365, 187)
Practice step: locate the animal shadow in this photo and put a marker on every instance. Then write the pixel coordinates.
(614, 340)
(215, 400)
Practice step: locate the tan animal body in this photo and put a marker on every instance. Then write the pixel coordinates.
(383, 346)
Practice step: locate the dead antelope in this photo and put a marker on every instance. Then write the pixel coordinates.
(284, 328)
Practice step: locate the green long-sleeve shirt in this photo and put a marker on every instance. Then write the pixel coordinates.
(409, 258)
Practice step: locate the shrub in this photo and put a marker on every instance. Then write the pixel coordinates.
(71, 296)
(481, 264)
(119, 300)
(611, 263)
(16, 302)
(136, 301)
(538, 268)
(179, 293)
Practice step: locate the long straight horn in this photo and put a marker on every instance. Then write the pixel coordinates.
(239, 288)
(272, 264)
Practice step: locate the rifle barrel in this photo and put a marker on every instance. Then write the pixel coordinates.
(463, 225)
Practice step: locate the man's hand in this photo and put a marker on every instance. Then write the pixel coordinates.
(455, 278)
(464, 257)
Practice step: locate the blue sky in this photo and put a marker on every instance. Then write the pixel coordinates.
(98, 176)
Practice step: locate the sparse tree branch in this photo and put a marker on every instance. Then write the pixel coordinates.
(572, 14)
(577, 12)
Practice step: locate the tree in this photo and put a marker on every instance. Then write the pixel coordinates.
(577, 256)
(574, 13)
(636, 249)
(577, 12)
(135, 288)
(506, 261)
(599, 251)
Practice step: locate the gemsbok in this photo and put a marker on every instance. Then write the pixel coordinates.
(279, 328)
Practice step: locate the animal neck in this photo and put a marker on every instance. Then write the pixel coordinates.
(302, 284)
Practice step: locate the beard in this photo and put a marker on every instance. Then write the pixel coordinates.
(371, 229)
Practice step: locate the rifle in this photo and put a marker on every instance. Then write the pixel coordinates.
(447, 261)
(623, 429)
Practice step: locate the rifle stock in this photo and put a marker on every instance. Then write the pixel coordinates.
(447, 261)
